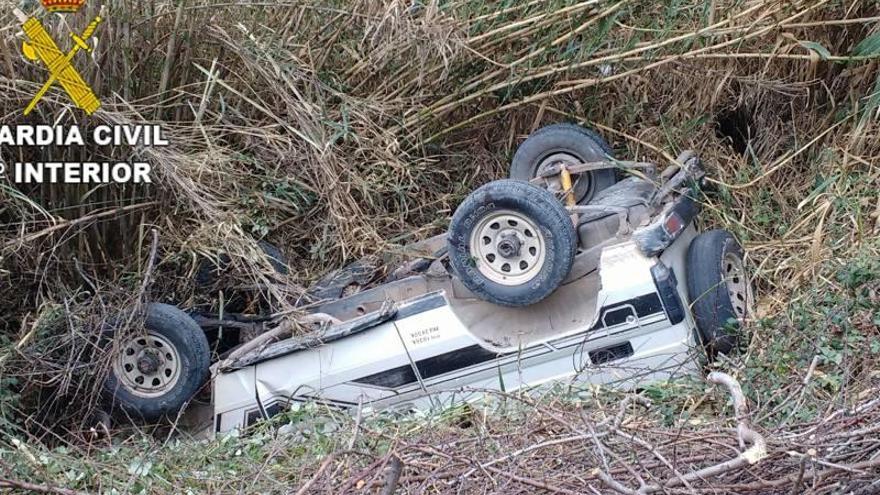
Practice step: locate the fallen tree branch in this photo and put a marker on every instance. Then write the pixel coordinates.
(38, 488)
(757, 447)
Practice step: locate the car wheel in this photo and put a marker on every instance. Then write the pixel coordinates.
(719, 289)
(209, 276)
(570, 144)
(157, 369)
(511, 243)
(207, 272)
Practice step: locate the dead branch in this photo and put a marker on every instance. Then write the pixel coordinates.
(756, 451)
(37, 488)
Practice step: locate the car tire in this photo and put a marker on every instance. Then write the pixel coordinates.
(719, 289)
(156, 371)
(209, 277)
(567, 143)
(531, 243)
(206, 274)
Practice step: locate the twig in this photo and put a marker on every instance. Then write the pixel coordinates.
(357, 423)
(756, 451)
(324, 465)
(148, 274)
(33, 487)
(533, 482)
(800, 477)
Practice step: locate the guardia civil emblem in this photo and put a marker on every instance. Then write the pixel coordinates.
(39, 46)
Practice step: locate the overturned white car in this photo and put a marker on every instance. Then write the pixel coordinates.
(561, 273)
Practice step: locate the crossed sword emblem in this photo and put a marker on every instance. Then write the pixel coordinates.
(42, 47)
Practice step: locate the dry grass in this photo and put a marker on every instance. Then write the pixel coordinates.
(339, 129)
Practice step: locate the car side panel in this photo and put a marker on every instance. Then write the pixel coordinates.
(426, 358)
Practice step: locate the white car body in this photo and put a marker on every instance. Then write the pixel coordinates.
(438, 345)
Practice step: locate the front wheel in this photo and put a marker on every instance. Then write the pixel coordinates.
(511, 243)
(719, 289)
(160, 367)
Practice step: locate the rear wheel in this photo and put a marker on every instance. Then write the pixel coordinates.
(568, 144)
(719, 289)
(208, 271)
(160, 367)
(511, 243)
(212, 276)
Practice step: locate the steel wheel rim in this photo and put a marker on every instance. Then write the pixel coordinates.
(737, 284)
(554, 183)
(508, 248)
(148, 365)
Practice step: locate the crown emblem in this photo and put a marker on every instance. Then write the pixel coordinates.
(63, 5)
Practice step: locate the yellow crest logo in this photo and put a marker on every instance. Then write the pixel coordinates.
(40, 46)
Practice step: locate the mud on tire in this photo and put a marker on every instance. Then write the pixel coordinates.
(511, 243)
(171, 349)
(718, 288)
